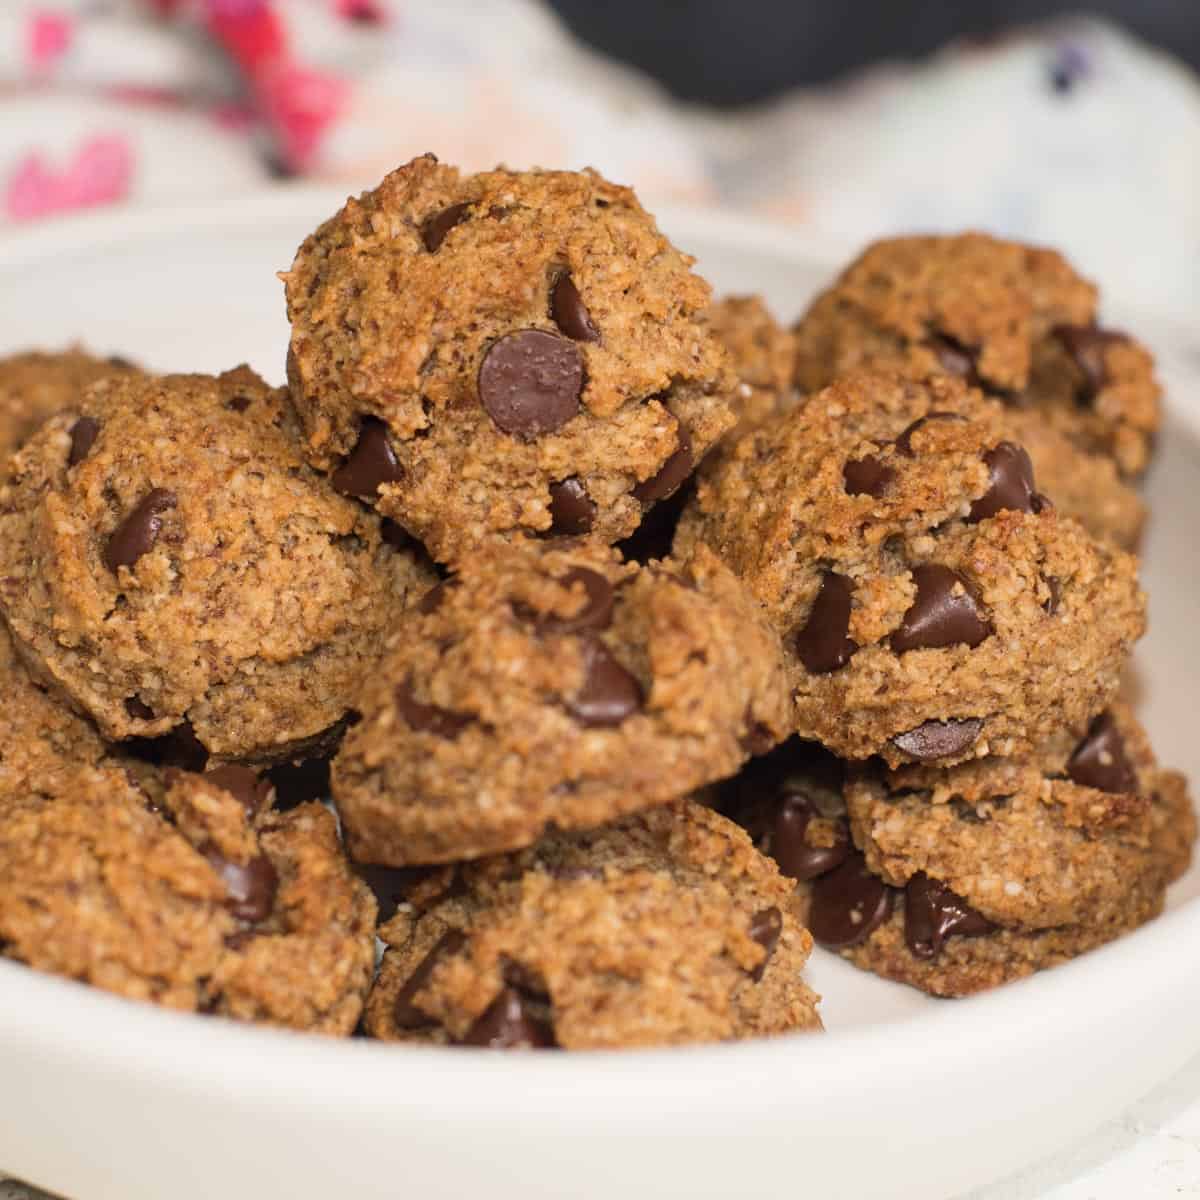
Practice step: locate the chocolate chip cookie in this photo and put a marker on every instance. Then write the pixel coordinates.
(201, 899)
(933, 604)
(665, 927)
(548, 684)
(483, 355)
(169, 563)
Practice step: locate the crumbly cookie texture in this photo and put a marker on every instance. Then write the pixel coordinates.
(169, 562)
(202, 900)
(511, 351)
(38, 383)
(933, 604)
(665, 927)
(551, 685)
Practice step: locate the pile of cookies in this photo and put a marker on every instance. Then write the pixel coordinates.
(638, 641)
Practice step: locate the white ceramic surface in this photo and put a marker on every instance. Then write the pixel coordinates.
(905, 1096)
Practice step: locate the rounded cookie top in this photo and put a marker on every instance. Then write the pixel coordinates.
(552, 685)
(203, 900)
(169, 559)
(933, 604)
(666, 927)
(510, 351)
(1015, 320)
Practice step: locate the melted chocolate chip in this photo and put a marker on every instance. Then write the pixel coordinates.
(83, 436)
(822, 644)
(1087, 346)
(609, 693)
(1100, 760)
(671, 474)
(570, 313)
(904, 442)
(428, 718)
(139, 532)
(848, 904)
(945, 612)
(509, 1023)
(932, 913)
(867, 476)
(955, 358)
(371, 463)
(1010, 483)
(530, 382)
(789, 847)
(243, 785)
(572, 510)
(596, 614)
(765, 928)
(435, 228)
(251, 887)
(939, 739)
(407, 1015)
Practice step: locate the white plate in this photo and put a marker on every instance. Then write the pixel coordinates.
(905, 1096)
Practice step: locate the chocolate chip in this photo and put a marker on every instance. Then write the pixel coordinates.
(138, 709)
(530, 382)
(867, 476)
(509, 1023)
(765, 928)
(83, 435)
(671, 474)
(371, 462)
(570, 313)
(1010, 483)
(955, 358)
(572, 510)
(945, 612)
(407, 1015)
(939, 739)
(238, 404)
(904, 442)
(1087, 345)
(789, 847)
(432, 600)
(822, 644)
(848, 904)
(243, 785)
(137, 534)
(1100, 761)
(596, 614)
(251, 887)
(435, 228)
(428, 718)
(609, 693)
(932, 913)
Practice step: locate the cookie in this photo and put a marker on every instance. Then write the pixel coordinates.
(551, 685)
(485, 355)
(170, 564)
(203, 900)
(666, 927)
(37, 384)
(933, 604)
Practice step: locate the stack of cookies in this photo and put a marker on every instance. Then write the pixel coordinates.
(632, 635)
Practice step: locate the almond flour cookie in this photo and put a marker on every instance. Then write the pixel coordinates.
(201, 900)
(168, 562)
(933, 604)
(666, 927)
(483, 355)
(550, 685)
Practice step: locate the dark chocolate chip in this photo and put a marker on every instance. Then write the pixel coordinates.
(1010, 483)
(932, 913)
(822, 644)
(867, 476)
(251, 887)
(945, 612)
(83, 435)
(570, 313)
(137, 534)
(428, 718)
(407, 1015)
(435, 228)
(138, 709)
(1100, 760)
(904, 442)
(530, 382)
(572, 510)
(1087, 345)
(765, 928)
(371, 463)
(509, 1024)
(609, 693)
(955, 358)
(789, 847)
(596, 614)
(671, 474)
(939, 739)
(848, 904)
(244, 785)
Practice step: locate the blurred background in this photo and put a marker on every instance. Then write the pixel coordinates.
(848, 120)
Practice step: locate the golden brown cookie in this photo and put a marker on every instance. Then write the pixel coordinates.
(168, 559)
(934, 605)
(508, 352)
(550, 685)
(666, 927)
